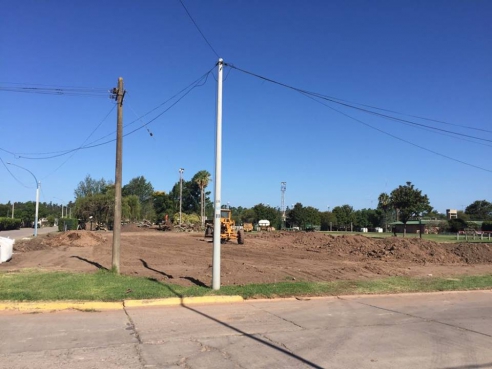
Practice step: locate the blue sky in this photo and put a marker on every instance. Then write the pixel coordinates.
(427, 58)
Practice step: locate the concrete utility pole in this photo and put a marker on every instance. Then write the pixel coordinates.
(13, 210)
(119, 94)
(218, 181)
(181, 171)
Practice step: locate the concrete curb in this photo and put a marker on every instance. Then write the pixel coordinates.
(173, 301)
(47, 306)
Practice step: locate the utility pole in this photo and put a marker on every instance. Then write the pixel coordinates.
(218, 181)
(13, 210)
(119, 94)
(181, 170)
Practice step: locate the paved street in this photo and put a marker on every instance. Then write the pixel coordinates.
(26, 232)
(446, 330)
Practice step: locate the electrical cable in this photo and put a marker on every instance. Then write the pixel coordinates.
(409, 115)
(90, 145)
(8, 170)
(71, 156)
(198, 28)
(196, 83)
(334, 100)
(314, 96)
(398, 138)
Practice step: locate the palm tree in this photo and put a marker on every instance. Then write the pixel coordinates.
(202, 178)
(384, 204)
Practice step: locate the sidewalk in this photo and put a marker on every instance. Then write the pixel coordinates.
(17, 234)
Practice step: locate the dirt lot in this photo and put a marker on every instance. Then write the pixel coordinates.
(186, 258)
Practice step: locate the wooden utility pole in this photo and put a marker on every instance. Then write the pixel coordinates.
(119, 94)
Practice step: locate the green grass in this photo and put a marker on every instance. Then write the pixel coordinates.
(429, 237)
(107, 286)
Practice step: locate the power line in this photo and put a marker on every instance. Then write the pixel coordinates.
(87, 92)
(93, 131)
(338, 101)
(409, 115)
(319, 96)
(14, 177)
(197, 83)
(198, 28)
(56, 86)
(399, 138)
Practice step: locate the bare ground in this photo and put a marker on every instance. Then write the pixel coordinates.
(186, 258)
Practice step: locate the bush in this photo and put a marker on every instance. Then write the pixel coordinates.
(7, 224)
(69, 222)
(487, 226)
(51, 220)
(456, 225)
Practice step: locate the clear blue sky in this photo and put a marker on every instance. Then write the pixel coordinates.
(427, 58)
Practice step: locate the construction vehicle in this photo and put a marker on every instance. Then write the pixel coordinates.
(248, 227)
(227, 228)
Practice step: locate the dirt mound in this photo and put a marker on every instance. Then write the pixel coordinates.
(359, 247)
(134, 227)
(69, 238)
(472, 253)
(266, 257)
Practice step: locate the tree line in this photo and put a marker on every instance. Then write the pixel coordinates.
(141, 201)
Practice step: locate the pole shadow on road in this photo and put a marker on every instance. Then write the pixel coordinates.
(249, 335)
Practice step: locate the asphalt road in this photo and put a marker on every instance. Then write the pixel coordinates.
(445, 330)
(26, 232)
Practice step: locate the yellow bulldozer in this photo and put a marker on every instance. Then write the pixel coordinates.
(227, 228)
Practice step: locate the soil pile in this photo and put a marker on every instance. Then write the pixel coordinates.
(362, 248)
(55, 240)
(266, 257)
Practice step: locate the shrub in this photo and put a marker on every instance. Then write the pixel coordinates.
(51, 220)
(456, 225)
(69, 222)
(7, 224)
(487, 226)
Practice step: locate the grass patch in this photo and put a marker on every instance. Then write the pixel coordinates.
(107, 286)
(429, 237)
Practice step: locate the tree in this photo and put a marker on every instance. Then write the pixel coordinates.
(479, 210)
(144, 190)
(409, 203)
(202, 178)
(99, 206)
(327, 218)
(303, 217)
(140, 187)
(248, 216)
(133, 204)
(384, 203)
(90, 186)
(163, 204)
(266, 212)
(344, 215)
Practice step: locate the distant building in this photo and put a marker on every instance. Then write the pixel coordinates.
(451, 214)
(415, 226)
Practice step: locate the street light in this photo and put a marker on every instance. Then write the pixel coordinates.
(37, 197)
(181, 170)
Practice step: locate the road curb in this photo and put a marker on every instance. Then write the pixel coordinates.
(174, 301)
(47, 306)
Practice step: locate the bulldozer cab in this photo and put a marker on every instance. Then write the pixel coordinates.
(227, 228)
(226, 214)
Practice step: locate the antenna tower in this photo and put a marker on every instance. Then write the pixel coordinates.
(283, 187)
